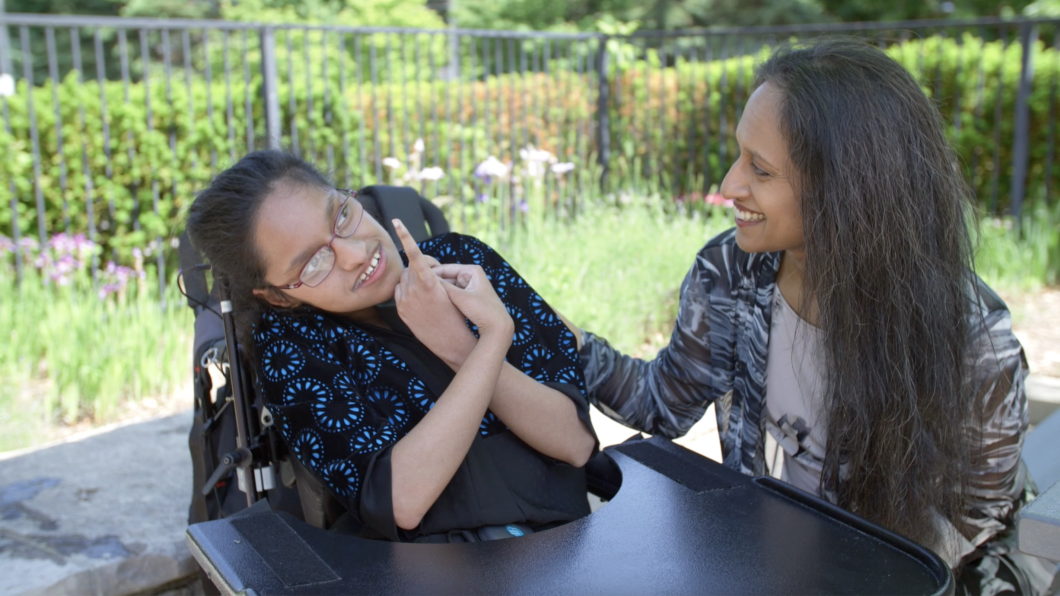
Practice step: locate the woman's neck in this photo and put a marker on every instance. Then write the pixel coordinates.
(790, 278)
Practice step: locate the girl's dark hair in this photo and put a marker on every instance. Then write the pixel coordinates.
(889, 264)
(222, 219)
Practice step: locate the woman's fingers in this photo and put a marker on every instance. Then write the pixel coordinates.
(417, 261)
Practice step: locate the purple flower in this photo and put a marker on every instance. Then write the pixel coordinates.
(524, 206)
(481, 198)
(28, 245)
(491, 168)
(82, 244)
(6, 245)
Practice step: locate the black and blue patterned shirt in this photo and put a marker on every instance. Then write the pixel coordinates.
(343, 393)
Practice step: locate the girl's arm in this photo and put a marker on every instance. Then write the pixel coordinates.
(543, 417)
(423, 461)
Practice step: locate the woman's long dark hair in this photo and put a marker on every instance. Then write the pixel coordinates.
(888, 262)
(222, 220)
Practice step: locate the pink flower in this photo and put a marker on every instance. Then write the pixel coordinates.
(715, 198)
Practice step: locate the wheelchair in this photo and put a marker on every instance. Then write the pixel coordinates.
(675, 522)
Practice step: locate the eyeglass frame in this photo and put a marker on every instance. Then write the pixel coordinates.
(350, 195)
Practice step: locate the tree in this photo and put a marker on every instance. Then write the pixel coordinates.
(903, 10)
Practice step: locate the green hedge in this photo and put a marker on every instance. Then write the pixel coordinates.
(657, 126)
(964, 77)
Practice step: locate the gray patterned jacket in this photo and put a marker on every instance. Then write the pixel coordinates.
(717, 355)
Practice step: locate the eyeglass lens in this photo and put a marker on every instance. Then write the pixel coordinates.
(323, 261)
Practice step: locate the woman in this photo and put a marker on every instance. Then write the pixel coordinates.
(429, 405)
(842, 317)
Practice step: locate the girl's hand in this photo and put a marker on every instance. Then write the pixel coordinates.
(470, 290)
(423, 304)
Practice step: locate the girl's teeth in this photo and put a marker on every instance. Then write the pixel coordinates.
(748, 216)
(371, 268)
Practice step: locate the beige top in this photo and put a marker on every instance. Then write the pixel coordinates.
(794, 385)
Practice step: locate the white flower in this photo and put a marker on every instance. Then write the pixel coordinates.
(432, 174)
(491, 168)
(562, 168)
(7, 85)
(534, 169)
(532, 155)
(418, 147)
(392, 162)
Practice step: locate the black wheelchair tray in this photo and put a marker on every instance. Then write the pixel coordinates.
(679, 524)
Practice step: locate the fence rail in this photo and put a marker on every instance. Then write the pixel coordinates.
(114, 122)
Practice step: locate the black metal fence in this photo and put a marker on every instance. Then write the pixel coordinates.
(111, 124)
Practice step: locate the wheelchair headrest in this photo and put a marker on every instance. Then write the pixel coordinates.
(404, 203)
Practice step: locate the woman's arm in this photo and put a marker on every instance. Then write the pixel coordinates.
(998, 479)
(669, 394)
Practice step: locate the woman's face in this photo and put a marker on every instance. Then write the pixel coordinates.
(297, 220)
(768, 218)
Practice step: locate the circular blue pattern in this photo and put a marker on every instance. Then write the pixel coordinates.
(475, 251)
(345, 388)
(388, 403)
(567, 345)
(535, 360)
(366, 364)
(334, 415)
(325, 352)
(307, 328)
(305, 389)
(372, 439)
(489, 421)
(420, 396)
(281, 360)
(444, 252)
(392, 359)
(568, 375)
(504, 278)
(308, 448)
(524, 331)
(542, 311)
(268, 326)
(341, 476)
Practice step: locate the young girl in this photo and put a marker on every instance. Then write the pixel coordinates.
(842, 317)
(431, 400)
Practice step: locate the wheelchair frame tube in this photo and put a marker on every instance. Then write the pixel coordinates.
(238, 402)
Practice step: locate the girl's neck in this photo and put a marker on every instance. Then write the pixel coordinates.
(790, 279)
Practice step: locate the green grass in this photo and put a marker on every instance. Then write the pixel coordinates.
(69, 355)
(1015, 260)
(614, 271)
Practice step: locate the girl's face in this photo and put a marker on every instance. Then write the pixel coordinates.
(768, 217)
(296, 221)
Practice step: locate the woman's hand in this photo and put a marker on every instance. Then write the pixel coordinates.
(423, 304)
(470, 290)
